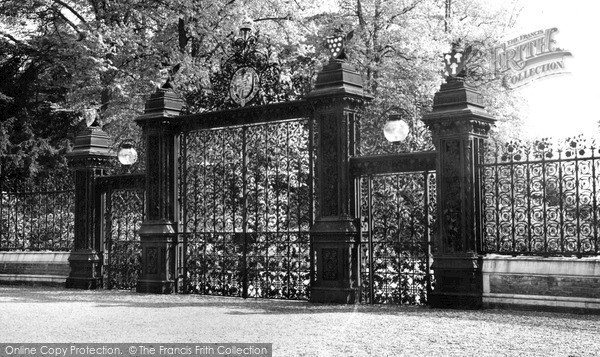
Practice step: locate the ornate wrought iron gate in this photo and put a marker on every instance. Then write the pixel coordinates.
(396, 204)
(246, 198)
(122, 200)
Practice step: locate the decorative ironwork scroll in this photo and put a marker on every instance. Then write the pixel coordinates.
(248, 75)
(397, 216)
(541, 198)
(246, 194)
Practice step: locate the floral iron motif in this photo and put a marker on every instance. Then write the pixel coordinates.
(540, 197)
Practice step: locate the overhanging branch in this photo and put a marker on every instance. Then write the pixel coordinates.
(68, 7)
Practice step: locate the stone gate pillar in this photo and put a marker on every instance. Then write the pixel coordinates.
(158, 233)
(89, 159)
(459, 125)
(337, 97)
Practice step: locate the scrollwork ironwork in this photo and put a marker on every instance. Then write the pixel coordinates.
(247, 209)
(277, 81)
(541, 197)
(123, 216)
(398, 210)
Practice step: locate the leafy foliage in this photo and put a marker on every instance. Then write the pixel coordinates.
(399, 49)
(60, 58)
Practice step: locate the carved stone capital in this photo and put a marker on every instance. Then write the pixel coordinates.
(458, 111)
(164, 103)
(338, 79)
(91, 150)
(459, 127)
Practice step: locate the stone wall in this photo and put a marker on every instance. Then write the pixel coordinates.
(561, 283)
(48, 268)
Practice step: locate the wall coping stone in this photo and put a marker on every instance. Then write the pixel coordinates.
(35, 257)
(535, 265)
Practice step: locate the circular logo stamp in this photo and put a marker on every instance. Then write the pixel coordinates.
(244, 85)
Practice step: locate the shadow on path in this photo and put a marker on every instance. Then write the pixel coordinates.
(239, 306)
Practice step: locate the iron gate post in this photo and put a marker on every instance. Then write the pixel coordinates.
(336, 99)
(89, 158)
(459, 124)
(158, 233)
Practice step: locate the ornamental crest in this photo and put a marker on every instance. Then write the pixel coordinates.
(244, 85)
(455, 62)
(337, 45)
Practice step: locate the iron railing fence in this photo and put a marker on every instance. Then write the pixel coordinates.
(397, 213)
(247, 197)
(37, 217)
(541, 198)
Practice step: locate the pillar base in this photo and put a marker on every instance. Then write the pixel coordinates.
(458, 282)
(85, 271)
(155, 287)
(158, 240)
(333, 295)
(455, 300)
(334, 240)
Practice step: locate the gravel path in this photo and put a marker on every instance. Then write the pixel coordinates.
(296, 328)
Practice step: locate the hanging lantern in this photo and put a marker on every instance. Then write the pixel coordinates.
(396, 129)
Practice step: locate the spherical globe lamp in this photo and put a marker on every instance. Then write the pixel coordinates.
(127, 154)
(396, 129)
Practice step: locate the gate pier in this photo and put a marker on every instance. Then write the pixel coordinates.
(336, 100)
(158, 233)
(89, 158)
(459, 125)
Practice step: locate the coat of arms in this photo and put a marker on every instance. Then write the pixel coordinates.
(244, 85)
(455, 62)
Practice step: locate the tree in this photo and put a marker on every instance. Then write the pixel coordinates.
(403, 69)
(33, 133)
(109, 54)
(72, 56)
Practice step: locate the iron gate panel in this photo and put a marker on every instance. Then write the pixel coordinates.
(395, 254)
(123, 214)
(396, 204)
(246, 194)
